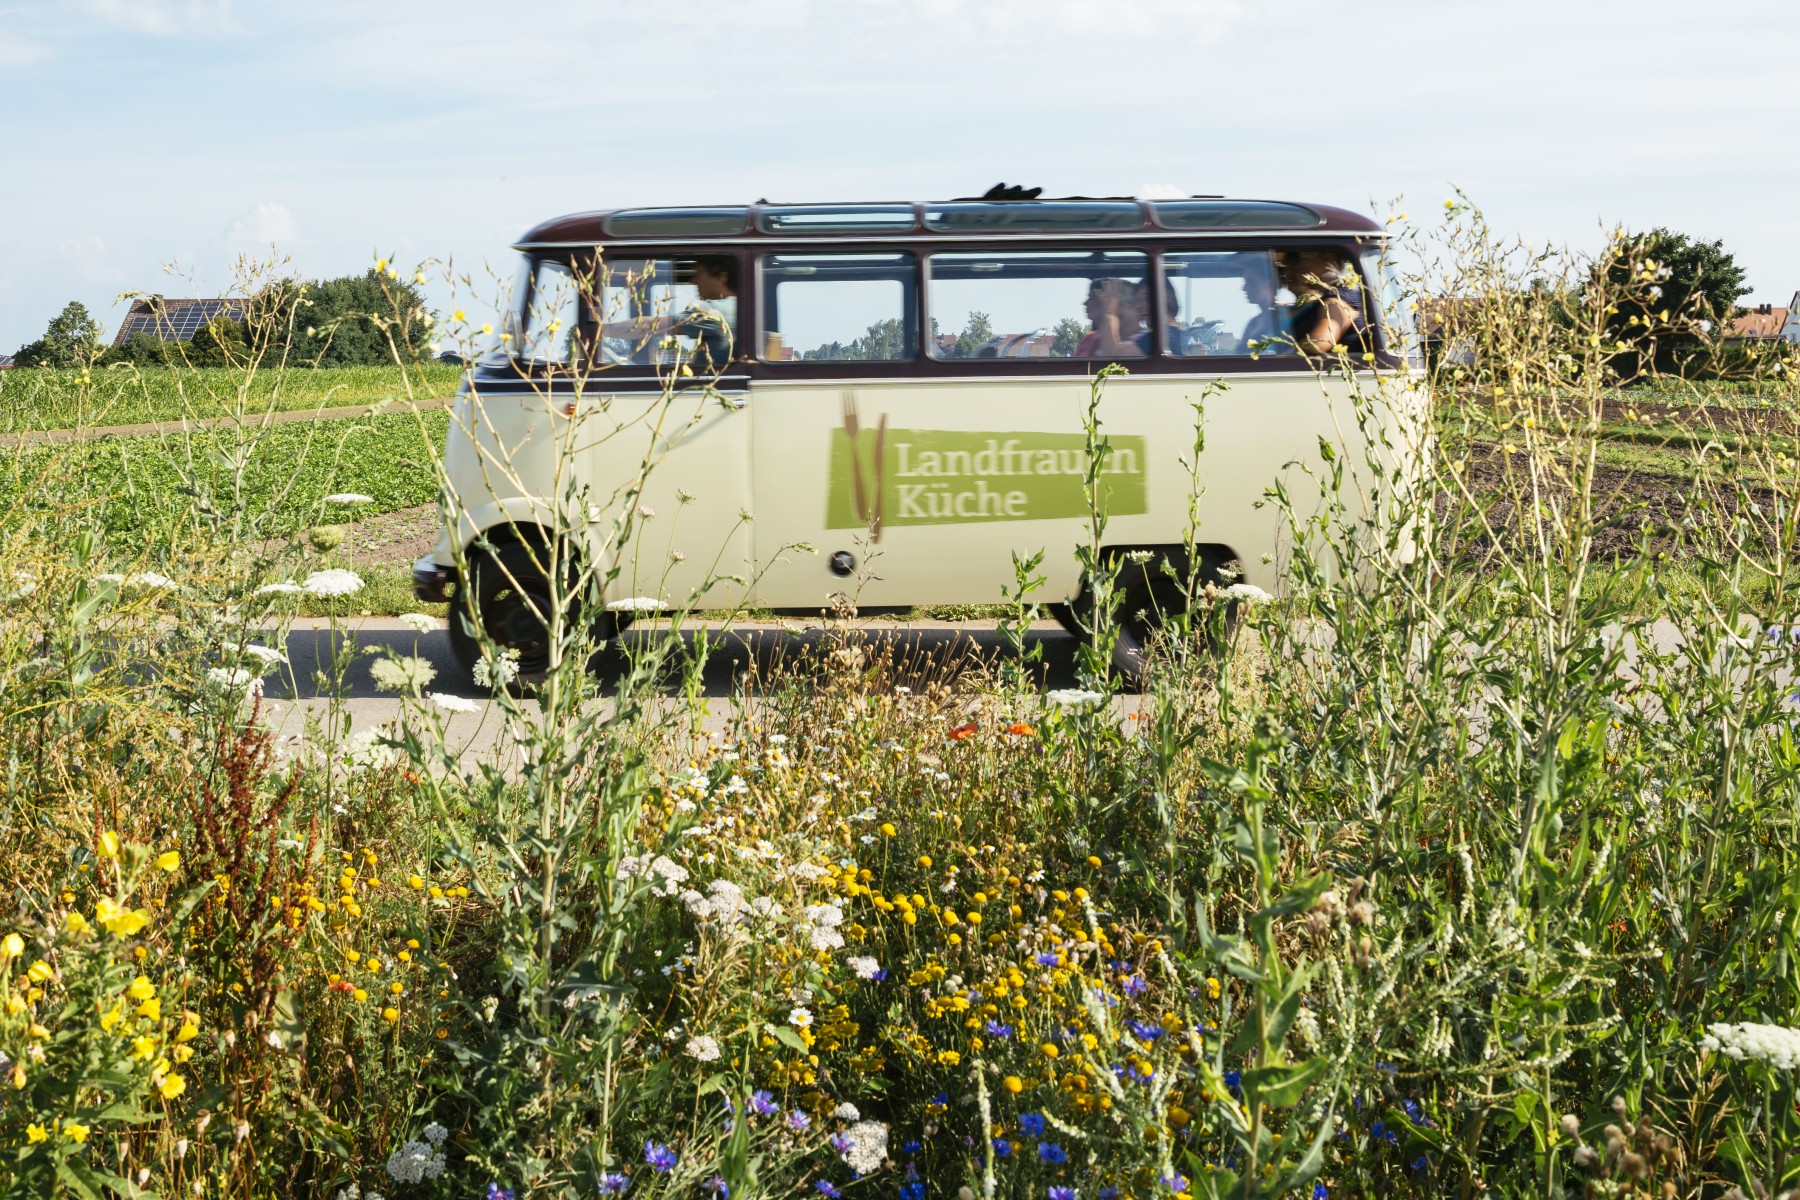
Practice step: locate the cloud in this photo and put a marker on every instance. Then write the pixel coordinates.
(162, 17)
(266, 224)
(16, 51)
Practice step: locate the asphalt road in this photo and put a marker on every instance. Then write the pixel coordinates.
(919, 652)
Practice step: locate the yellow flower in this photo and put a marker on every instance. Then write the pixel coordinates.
(182, 1053)
(396, 988)
(39, 972)
(925, 861)
(11, 947)
(1013, 1084)
(36, 1133)
(487, 329)
(141, 988)
(119, 920)
(168, 860)
(151, 1009)
(1094, 861)
(187, 1033)
(457, 314)
(142, 1047)
(75, 1131)
(414, 882)
(37, 1031)
(887, 829)
(75, 922)
(359, 995)
(390, 1014)
(111, 1017)
(109, 844)
(172, 1086)
(1049, 1050)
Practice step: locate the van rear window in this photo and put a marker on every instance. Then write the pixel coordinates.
(836, 218)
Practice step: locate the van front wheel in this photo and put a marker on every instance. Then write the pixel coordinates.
(509, 594)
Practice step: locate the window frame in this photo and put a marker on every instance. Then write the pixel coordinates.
(912, 311)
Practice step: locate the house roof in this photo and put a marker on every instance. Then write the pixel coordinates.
(174, 320)
(1762, 323)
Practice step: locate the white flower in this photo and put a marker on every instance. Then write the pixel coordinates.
(333, 582)
(820, 925)
(866, 1146)
(1774, 1044)
(151, 579)
(286, 587)
(264, 655)
(846, 1112)
(496, 672)
(778, 739)
(636, 604)
(365, 752)
(800, 1016)
(703, 1048)
(348, 498)
(415, 1161)
(419, 622)
(435, 1134)
(403, 674)
(1249, 593)
(1074, 698)
(454, 704)
(234, 679)
(864, 966)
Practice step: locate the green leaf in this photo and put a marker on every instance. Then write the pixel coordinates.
(1299, 897)
(1281, 1086)
(790, 1039)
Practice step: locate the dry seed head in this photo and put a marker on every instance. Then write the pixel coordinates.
(1586, 1157)
(1571, 1125)
(1634, 1165)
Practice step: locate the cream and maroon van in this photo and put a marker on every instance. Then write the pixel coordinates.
(901, 387)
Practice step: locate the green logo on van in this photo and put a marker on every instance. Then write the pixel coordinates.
(894, 477)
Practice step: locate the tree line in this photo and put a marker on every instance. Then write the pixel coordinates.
(352, 320)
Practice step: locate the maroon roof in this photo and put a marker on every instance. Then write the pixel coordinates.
(733, 221)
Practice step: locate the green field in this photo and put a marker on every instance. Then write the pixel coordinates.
(32, 399)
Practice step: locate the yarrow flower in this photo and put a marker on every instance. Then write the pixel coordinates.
(415, 1161)
(418, 622)
(703, 1048)
(406, 673)
(496, 672)
(1774, 1044)
(1074, 698)
(864, 966)
(234, 679)
(454, 704)
(846, 1112)
(348, 498)
(636, 604)
(333, 582)
(864, 1146)
(1249, 593)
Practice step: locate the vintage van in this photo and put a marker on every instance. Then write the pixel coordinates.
(901, 388)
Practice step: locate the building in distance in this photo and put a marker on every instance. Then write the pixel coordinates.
(174, 320)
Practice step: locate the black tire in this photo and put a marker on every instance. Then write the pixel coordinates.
(1147, 597)
(509, 594)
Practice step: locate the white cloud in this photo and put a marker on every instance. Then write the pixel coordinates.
(1161, 191)
(268, 223)
(163, 17)
(16, 51)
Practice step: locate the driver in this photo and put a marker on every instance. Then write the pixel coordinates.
(711, 320)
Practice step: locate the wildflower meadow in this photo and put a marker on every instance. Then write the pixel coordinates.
(1467, 863)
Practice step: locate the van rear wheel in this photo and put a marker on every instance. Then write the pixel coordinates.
(1148, 598)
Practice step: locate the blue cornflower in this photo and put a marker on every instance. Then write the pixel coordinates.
(996, 1030)
(659, 1156)
(912, 1147)
(828, 1190)
(1175, 1183)
(1320, 1191)
(1109, 1192)
(1002, 1148)
(1032, 1123)
(1416, 1112)
(1046, 959)
(1134, 986)
(1144, 1031)
(798, 1121)
(939, 1102)
(1234, 1081)
(762, 1103)
(1050, 1152)
(496, 1192)
(912, 1191)
(1420, 1163)
(1381, 1133)
(613, 1183)
(718, 1187)
(1057, 1192)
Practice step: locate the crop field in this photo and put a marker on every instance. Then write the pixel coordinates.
(35, 399)
(1467, 865)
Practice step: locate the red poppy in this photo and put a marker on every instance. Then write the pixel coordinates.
(963, 731)
(1021, 729)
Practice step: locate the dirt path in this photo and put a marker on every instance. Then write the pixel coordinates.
(57, 437)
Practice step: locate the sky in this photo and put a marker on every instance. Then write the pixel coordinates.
(148, 144)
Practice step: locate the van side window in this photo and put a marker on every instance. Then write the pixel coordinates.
(839, 307)
(1038, 304)
(663, 311)
(1226, 302)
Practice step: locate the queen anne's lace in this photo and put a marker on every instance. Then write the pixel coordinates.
(1774, 1044)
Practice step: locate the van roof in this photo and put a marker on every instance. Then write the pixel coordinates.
(1074, 216)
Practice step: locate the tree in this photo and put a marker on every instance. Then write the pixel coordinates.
(221, 342)
(1672, 292)
(976, 334)
(347, 321)
(72, 339)
(1069, 332)
(884, 340)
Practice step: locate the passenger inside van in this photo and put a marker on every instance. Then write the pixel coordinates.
(1174, 332)
(1269, 328)
(1329, 310)
(711, 321)
(1113, 316)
